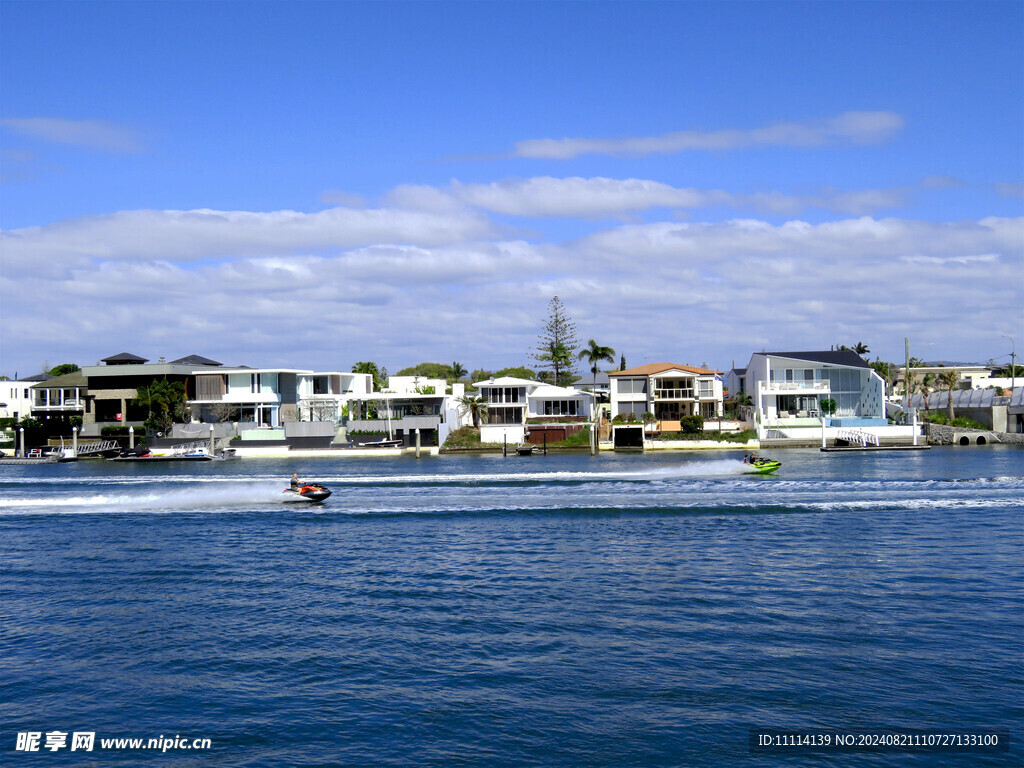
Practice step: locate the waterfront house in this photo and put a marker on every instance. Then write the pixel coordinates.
(787, 389)
(516, 407)
(112, 386)
(59, 399)
(16, 396)
(270, 397)
(408, 406)
(670, 391)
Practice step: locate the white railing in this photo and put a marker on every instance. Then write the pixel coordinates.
(858, 436)
(793, 386)
(100, 446)
(673, 394)
(185, 449)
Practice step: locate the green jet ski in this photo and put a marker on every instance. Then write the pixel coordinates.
(760, 466)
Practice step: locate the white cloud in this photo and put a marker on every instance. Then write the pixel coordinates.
(598, 198)
(188, 236)
(847, 128)
(301, 290)
(91, 134)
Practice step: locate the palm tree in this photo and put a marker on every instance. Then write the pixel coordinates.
(560, 358)
(457, 371)
(165, 401)
(924, 386)
(474, 405)
(595, 353)
(949, 379)
(860, 348)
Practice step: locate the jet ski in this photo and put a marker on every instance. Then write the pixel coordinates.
(761, 466)
(310, 492)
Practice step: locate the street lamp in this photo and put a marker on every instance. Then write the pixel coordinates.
(1013, 363)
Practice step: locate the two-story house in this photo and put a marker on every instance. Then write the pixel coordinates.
(270, 397)
(407, 406)
(788, 388)
(113, 387)
(512, 404)
(668, 390)
(58, 399)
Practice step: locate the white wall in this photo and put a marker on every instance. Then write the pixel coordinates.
(13, 394)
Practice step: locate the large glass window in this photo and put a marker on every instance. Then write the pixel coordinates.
(560, 407)
(632, 386)
(507, 394)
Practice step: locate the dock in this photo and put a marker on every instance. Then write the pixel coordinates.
(863, 448)
(48, 459)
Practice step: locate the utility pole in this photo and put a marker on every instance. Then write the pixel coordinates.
(1013, 364)
(906, 373)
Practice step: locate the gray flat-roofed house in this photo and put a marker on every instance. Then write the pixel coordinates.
(113, 386)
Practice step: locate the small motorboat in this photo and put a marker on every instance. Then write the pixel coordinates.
(761, 466)
(382, 444)
(309, 492)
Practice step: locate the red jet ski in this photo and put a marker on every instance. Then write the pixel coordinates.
(310, 492)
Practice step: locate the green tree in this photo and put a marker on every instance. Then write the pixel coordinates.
(456, 371)
(372, 369)
(1011, 371)
(949, 379)
(165, 401)
(475, 406)
(647, 417)
(559, 359)
(887, 371)
(923, 386)
(622, 362)
(60, 370)
(480, 374)
(594, 353)
(517, 372)
(558, 343)
(828, 405)
(427, 371)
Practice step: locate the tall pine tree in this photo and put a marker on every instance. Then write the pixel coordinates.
(557, 345)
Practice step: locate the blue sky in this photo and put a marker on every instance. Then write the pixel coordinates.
(313, 184)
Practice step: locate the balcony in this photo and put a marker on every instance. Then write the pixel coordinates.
(802, 387)
(675, 394)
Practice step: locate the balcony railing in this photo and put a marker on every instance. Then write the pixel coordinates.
(674, 394)
(794, 386)
(67, 405)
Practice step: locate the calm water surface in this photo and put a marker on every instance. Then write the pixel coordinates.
(561, 610)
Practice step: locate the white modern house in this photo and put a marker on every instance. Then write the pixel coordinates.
(408, 407)
(269, 397)
(668, 390)
(787, 389)
(513, 404)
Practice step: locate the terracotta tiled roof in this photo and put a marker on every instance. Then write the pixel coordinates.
(652, 368)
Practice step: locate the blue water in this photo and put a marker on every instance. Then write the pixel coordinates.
(567, 610)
